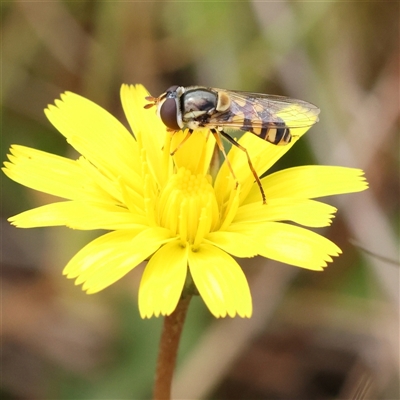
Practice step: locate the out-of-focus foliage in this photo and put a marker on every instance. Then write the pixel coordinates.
(342, 56)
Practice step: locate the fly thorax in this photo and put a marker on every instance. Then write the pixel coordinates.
(198, 104)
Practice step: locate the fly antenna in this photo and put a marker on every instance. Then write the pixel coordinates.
(153, 101)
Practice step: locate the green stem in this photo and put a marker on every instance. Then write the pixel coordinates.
(168, 350)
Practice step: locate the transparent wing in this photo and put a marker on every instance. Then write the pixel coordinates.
(249, 110)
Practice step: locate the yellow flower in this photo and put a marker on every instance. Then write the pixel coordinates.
(169, 210)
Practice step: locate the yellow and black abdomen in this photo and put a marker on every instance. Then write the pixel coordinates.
(248, 119)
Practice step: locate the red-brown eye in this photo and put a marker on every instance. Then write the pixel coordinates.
(168, 114)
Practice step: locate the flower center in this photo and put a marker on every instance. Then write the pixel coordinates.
(187, 206)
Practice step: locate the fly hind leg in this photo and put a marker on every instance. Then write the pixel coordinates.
(236, 144)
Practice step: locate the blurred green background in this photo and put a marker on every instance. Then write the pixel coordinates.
(313, 335)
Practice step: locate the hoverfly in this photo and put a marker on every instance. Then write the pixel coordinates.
(195, 107)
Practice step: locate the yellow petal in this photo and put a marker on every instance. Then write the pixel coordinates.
(163, 279)
(147, 128)
(301, 211)
(220, 282)
(83, 215)
(296, 246)
(235, 243)
(47, 172)
(111, 256)
(96, 134)
(195, 153)
(310, 181)
(142, 121)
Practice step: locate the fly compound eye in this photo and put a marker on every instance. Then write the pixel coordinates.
(169, 114)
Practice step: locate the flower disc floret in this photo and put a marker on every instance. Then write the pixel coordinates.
(187, 206)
